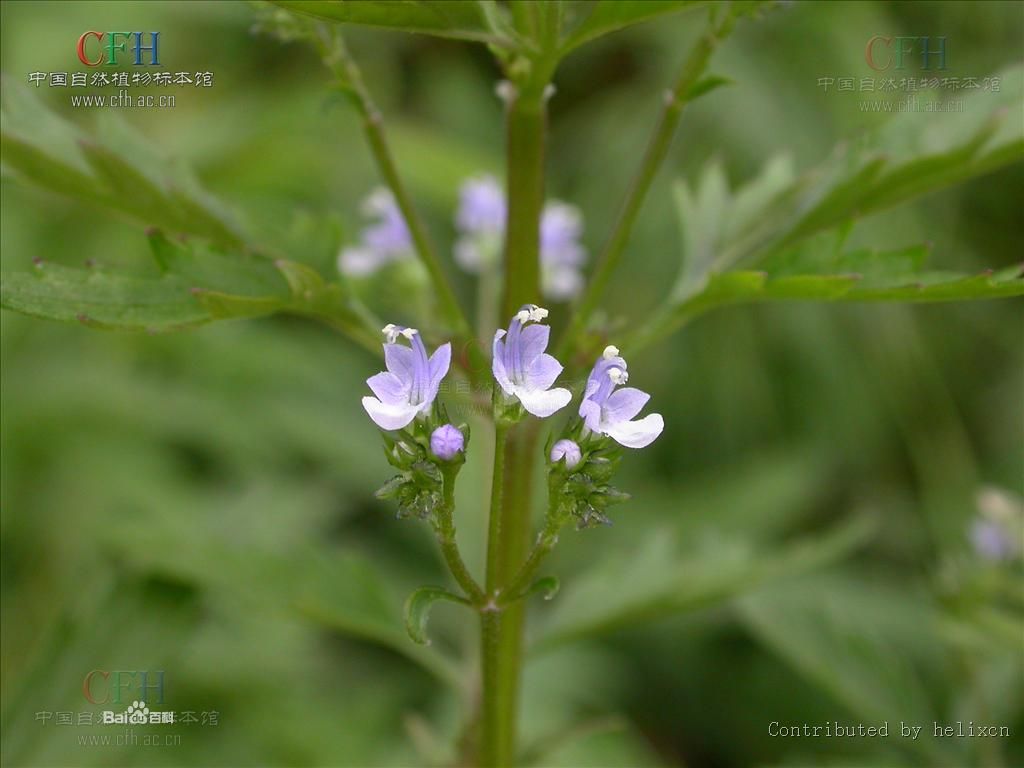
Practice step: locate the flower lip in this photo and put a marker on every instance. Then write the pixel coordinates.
(609, 411)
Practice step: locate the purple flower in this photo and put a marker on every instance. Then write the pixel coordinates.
(991, 540)
(561, 253)
(447, 442)
(480, 220)
(409, 385)
(609, 412)
(385, 240)
(568, 450)
(481, 206)
(523, 369)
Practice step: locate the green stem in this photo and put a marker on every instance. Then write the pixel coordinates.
(494, 521)
(449, 547)
(546, 541)
(525, 171)
(344, 67)
(660, 141)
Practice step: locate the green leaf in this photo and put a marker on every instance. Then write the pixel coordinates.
(445, 18)
(101, 299)
(705, 85)
(417, 610)
(591, 19)
(867, 644)
(117, 169)
(654, 583)
(196, 284)
(546, 586)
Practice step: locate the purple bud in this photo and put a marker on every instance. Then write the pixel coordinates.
(447, 442)
(568, 450)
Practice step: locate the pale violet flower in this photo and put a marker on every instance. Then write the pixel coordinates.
(408, 387)
(386, 239)
(997, 533)
(480, 220)
(523, 369)
(561, 254)
(609, 411)
(447, 442)
(567, 450)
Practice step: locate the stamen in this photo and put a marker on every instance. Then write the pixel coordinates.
(617, 375)
(610, 351)
(409, 333)
(390, 332)
(523, 316)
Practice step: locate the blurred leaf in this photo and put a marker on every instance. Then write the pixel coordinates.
(655, 582)
(462, 19)
(867, 644)
(117, 170)
(776, 211)
(198, 284)
(595, 18)
(876, 285)
(417, 610)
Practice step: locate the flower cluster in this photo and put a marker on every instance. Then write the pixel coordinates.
(385, 240)
(481, 223)
(581, 461)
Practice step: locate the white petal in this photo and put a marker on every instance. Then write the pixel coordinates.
(388, 388)
(636, 434)
(541, 402)
(389, 416)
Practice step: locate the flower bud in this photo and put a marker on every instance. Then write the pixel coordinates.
(568, 450)
(446, 442)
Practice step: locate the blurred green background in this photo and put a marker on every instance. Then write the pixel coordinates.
(202, 503)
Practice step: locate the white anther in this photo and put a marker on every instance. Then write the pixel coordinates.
(390, 332)
(409, 333)
(618, 376)
(538, 313)
(610, 351)
(523, 316)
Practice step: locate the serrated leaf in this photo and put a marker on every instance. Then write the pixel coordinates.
(596, 18)
(116, 169)
(196, 284)
(656, 583)
(417, 610)
(444, 18)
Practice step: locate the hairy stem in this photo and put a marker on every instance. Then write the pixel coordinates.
(449, 547)
(660, 141)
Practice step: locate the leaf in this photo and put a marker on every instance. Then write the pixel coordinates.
(596, 18)
(655, 583)
(867, 644)
(417, 610)
(445, 18)
(546, 586)
(196, 284)
(117, 169)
